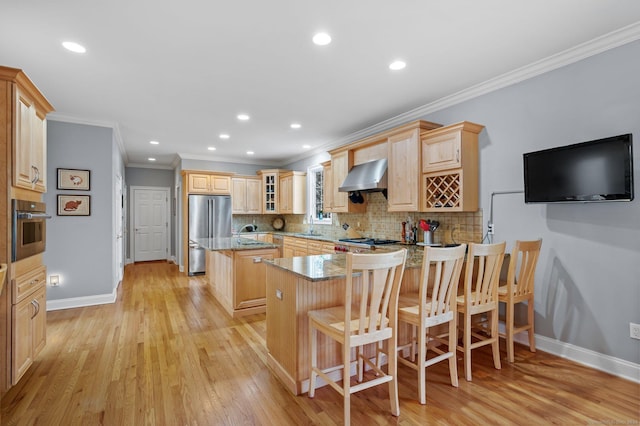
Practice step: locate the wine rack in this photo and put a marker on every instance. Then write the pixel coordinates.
(443, 191)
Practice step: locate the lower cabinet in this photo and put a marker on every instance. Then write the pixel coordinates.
(29, 321)
(238, 279)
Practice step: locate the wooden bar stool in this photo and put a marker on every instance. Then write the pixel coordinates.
(368, 315)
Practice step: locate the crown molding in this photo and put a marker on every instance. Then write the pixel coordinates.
(569, 56)
(228, 160)
(577, 53)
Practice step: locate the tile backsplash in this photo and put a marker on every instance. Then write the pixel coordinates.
(379, 223)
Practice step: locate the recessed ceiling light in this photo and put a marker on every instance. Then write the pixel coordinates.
(243, 117)
(154, 142)
(322, 39)
(296, 125)
(211, 148)
(397, 65)
(152, 159)
(74, 47)
(223, 136)
(250, 152)
(306, 146)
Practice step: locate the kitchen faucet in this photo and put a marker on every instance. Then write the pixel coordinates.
(310, 224)
(249, 227)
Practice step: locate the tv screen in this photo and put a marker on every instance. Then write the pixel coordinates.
(598, 170)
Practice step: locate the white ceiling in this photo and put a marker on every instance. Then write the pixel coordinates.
(180, 72)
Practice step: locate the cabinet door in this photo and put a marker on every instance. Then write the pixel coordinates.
(23, 170)
(270, 193)
(286, 193)
(21, 338)
(340, 168)
(254, 187)
(404, 172)
(441, 152)
(327, 192)
(39, 151)
(250, 278)
(238, 195)
(220, 184)
(39, 321)
(199, 183)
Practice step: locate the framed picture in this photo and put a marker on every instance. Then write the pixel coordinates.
(74, 179)
(74, 205)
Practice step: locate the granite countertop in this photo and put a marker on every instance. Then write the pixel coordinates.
(233, 243)
(330, 266)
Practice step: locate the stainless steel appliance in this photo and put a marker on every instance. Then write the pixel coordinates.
(360, 245)
(209, 217)
(29, 228)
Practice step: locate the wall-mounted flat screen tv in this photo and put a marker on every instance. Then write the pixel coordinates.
(598, 170)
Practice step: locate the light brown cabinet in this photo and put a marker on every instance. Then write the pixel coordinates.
(450, 168)
(30, 153)
(28, 314)
(204, 183)
(403, 173)
(246, 195)
(341, 163)
(238, 281)
(24, 117)
(270, 190)
(293, 192)
(327, 191)
(294, 247)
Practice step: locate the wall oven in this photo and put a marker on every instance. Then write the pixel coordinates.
(29, 230)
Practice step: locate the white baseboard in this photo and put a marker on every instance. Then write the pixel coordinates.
(615, 366)
(79, 302)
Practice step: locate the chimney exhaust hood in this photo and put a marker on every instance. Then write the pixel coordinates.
(366, 177)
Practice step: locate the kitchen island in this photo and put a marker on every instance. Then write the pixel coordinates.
(300, 284)
(236, 272)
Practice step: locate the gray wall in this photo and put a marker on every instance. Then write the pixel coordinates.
(588, 276)
(161, 178)
(80, 248)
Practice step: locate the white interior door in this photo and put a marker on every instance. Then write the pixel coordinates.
(150, 224)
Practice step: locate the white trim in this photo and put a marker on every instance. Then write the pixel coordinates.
(569, 56)
(149, 166)
(132, 212)
(80, 302)
(615, 366)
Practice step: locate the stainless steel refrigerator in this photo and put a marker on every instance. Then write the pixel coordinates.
(209, 217)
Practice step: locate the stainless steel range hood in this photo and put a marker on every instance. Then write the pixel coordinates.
(366, 177)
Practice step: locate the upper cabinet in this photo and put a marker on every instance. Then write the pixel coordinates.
(293, 192)
(24, 115)
(327, 192)
(246, 195)
(341, 163)
(450, 168)
(270, 190)
(208, 183)
(403, 175)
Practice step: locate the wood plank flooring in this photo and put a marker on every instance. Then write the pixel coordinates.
(166, 354)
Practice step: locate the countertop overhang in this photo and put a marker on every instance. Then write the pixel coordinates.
(233, 244)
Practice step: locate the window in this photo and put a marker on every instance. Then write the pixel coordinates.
(315, 200)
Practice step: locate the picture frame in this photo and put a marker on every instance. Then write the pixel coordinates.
(74, 179)
(74, 205)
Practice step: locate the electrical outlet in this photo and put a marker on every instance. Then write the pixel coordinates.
(634, 331)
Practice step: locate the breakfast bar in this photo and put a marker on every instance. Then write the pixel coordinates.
(296, 286)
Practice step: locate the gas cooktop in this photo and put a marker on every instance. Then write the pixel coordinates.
(368, 241)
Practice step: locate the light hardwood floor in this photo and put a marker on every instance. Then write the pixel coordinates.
(166, 354)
